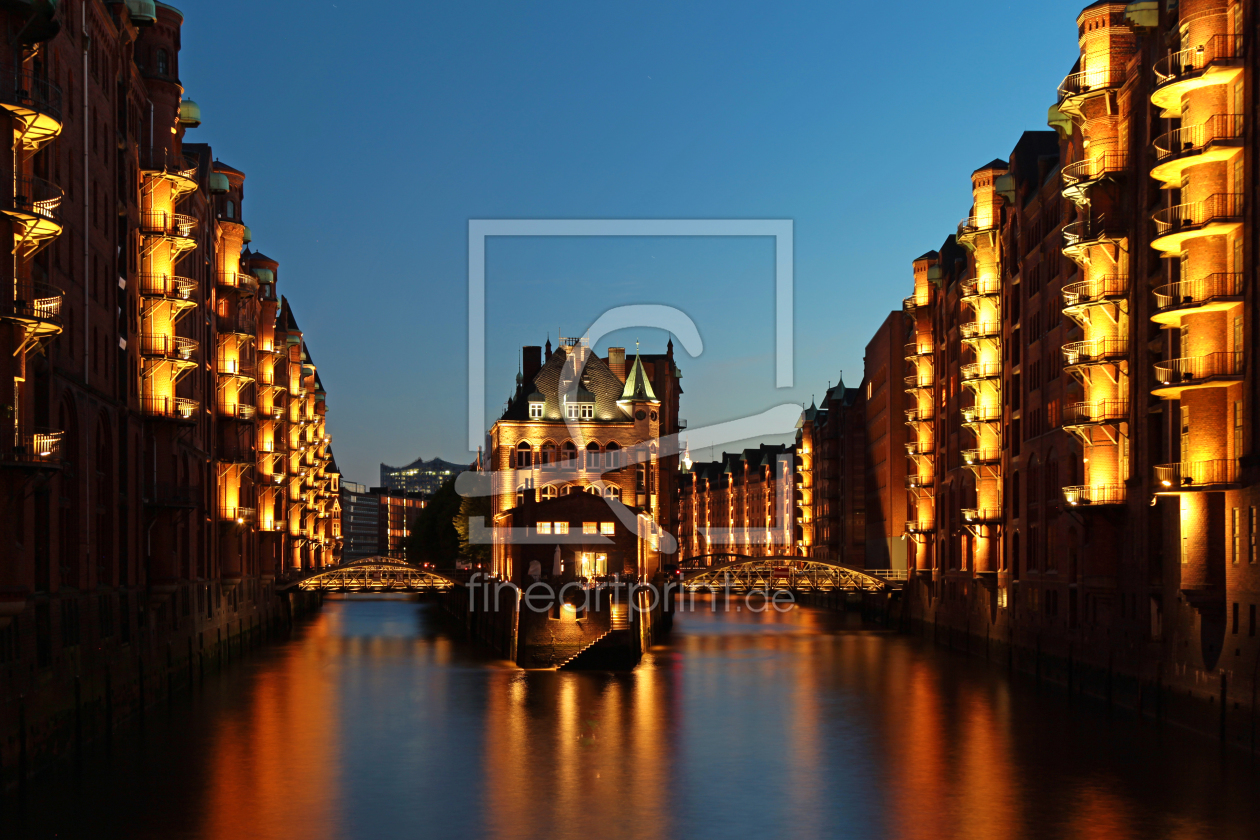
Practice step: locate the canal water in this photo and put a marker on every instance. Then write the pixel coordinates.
(376, 721)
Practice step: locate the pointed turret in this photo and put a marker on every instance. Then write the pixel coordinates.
(638, 386)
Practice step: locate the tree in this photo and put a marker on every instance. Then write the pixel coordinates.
(433, 538)
(473, 506)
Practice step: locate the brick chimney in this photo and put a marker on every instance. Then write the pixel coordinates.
(617, 362)
(531, 362)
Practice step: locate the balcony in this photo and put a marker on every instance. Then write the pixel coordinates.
(178, 409)
(920, 526)
(1214, 62)
(235, 451)
(35, 105)
(239, 411)
(1095, 494)
(919, 482)
(30, 447)
(1081, 235)
(920, 447)
(982, 457)
(980, 371)
(176, 228)
(979, 330)
(236, 515)
(980, 516)
(1218, 139)
(975, 288)
(236, 281)
(171, 496)
(1213, 293)
(174, 348)
(239, 324)
(914, 349)
(920, 415)
(1079, 176)
(977, 225)
(918, 381)
(1213, 370)
(975, 414)
(1196, 475)
(1095, 413)
(237, 367)
(1109, 288)
(1215, 215)
(168, 287)
(1096, 351)
(36, 307)
(35, 208)
(1077, 88)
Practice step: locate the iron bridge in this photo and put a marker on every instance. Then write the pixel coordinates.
(373, 574)
(741, 573)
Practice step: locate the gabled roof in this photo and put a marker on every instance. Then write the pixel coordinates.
(598, 384)
(996, 163)
(286, 321)
(638, 388)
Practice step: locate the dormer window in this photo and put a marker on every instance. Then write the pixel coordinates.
(535, 411)
(571, 411)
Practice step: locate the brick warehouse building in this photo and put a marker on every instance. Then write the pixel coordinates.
(163, 455)
(742, 504)
(581, 423)
(1082, 477)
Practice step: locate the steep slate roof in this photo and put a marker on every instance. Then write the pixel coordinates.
(638, 387)
(287, 322)
(598, 381)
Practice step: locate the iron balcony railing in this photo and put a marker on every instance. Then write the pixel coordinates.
(979, 287)
(238, 323)
(167, 286)
(1195, 368)
(1095, 494)
(920, 415)
(1194, 474)
(1095, 351)
(21, 445)
(981, 413)
(914, 349)
(920, 526)
(1195, 214)
(919, 380)
(980, 329)
(176, 408)
(920, 447)
(1098, 411)
(1084, 232)
(36, 197)
(1193, 60)
(239, 411)
(34, 302)
(1097, 290)
(239, 515)
(1093, 168)
(1203, 290)
(27, 90)
(1194, 138)
(161, 223)
(980, 370)
(1089, 81)
(980, 457)
(914, 482)
(970, 515)
(977, 222)
(236, 280)
(234, 367)
(168, 346)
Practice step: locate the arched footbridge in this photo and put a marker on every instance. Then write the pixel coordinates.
(741, 573)
(372, 574)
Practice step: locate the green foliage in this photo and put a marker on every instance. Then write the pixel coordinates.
(433, 538)
(473, 506)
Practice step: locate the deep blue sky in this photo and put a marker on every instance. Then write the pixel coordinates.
(372, 132)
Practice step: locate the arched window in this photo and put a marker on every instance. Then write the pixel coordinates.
(524, 455)
(520, 493)
(231, 209)
(163, 63)
(569, 453)
(593, 489)
(592, 456)
(612, 491)
(612, 455)
(549, 491)
(547, 456)
(568, 489)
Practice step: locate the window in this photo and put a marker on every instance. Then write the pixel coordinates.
(590, 527)
(163, 63)
(607, 528)
(231, 210)
(523, 454)
(612, 456)
(1251, 537)
(1238, 429)
(592, 456)
(544, 527)
(588, 412)
(560, 528)
(1234, 532)
(535, 411)
(612, 491)
(571, 411)
(520, 493)
(549, 491)
(593, 489)
(547, 456)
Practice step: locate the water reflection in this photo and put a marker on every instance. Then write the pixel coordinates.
(376, 721)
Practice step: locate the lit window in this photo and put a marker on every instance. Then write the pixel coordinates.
(588, 412)
(544, 527)
(535, 411)
(561, 528)
(590, 527)
(571, 411)
(606, 528)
